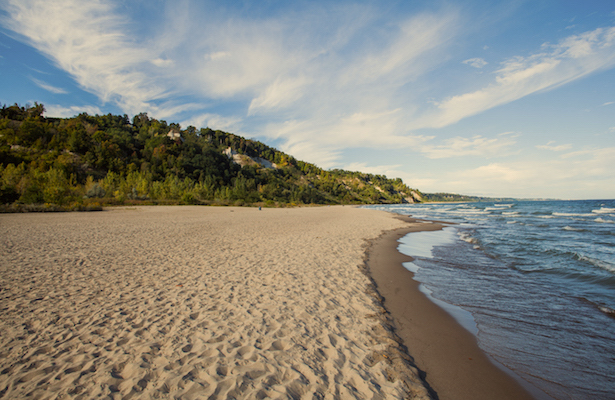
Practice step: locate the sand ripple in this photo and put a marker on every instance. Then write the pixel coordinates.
(195, 303)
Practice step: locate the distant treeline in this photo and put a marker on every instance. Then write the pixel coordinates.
(111, 159)
(451, 197)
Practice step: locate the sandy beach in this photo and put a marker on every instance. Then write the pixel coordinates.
(196, 302)
(226, 303)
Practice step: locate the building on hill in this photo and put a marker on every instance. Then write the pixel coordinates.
(174, 134)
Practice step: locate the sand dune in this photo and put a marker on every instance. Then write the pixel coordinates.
(195, 303)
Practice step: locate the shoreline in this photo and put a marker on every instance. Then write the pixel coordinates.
(446, 354)
(221, 302)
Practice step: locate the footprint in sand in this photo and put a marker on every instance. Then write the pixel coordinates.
(245, 351)
(279, 345)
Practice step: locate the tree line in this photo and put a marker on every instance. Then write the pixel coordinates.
(112, 159)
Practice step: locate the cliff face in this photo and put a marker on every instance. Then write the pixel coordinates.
(243, 160)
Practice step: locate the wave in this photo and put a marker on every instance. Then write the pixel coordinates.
(511, 213)
(503, 205)
(468, 212)
(560, 268)
(607, 310)
(570, 228)
(598, 263)
(604, 210)
(604, 221)
(468, 238)
(573, 214)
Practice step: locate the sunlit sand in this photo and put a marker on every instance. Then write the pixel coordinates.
(197, 302)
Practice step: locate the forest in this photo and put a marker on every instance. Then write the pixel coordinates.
(86, 162)
(459, 198)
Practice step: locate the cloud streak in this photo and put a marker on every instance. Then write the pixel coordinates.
(91, 41)
(475, 146)
(580, 174)
(48, 87)
(68, 112)
(475, 62)
(573, 58)
(553, 147)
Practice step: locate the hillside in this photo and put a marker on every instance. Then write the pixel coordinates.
(456, 198)
(110, 159)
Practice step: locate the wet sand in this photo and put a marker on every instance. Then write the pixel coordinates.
(452, 364)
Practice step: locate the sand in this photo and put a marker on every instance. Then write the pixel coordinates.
(196, 303)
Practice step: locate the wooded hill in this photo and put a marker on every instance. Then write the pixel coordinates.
(456, 198)
(110, 159)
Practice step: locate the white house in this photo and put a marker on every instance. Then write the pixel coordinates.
(174, 134)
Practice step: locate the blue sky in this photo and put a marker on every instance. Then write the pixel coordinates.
(513, 98)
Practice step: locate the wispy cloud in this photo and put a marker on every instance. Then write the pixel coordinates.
(573, 58)
(91, 41)
(475, 62)
(553, 147)
(581, 174)
(332, 74)
(48, 87)
(68, 112)
(474, 146)
(214, 121)
(391, 171)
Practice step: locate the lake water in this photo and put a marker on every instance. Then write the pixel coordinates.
(537, 277)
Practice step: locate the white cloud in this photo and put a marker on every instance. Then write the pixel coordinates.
(92, 42)
(391, 171)
(582, 174)
(48, 87)
(553, 147)
(337, 71)
(571, 59)
(500, 173)
(219, 55)
(320, 139)
(475, 146)
(57, 111)
(608, 103)
(281, 93)
(475, 62)
(213, 121)
(163, 62)
(322, 155)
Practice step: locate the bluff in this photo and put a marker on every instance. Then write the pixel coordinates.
(112, 159)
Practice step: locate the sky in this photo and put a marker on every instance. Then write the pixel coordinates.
(491, 98)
